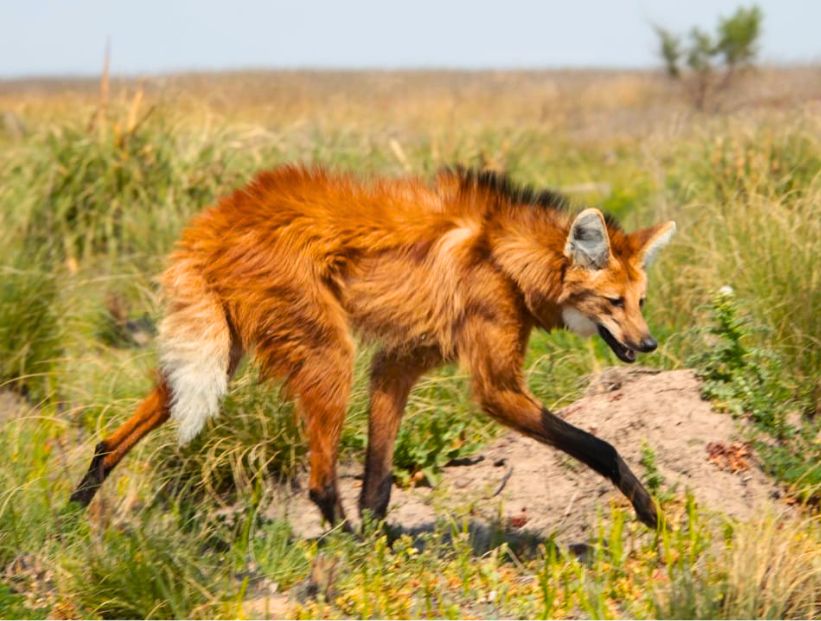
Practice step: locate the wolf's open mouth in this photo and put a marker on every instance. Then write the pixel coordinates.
(624, 353)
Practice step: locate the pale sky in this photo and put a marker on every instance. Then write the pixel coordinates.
(53, 37)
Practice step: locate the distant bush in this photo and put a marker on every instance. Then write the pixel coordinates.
(713, 61)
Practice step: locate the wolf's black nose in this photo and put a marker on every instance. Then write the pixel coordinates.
(648, 344)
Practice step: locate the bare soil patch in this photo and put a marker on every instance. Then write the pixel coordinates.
(526, 485)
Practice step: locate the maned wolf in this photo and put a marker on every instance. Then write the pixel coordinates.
(291, 265)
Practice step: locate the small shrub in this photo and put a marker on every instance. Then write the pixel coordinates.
(427, 443)
(652, 477)
(733, 48)
(748, 382)
(440, 425)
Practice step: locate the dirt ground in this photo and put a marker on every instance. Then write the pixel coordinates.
(524, 485)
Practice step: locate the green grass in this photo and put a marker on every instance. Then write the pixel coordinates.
(753, 225)
(681, 573)
(150, 569)
(14, 606)
(86, 217)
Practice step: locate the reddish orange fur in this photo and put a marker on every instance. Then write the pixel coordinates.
(301, 259)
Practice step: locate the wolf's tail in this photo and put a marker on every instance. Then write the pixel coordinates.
(195, 349)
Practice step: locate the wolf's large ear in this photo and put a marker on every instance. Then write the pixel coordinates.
(588, 244)
(653, 239)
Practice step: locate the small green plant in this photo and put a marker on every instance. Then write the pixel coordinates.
(713, 61)
(741, 379)
(748, 382)
(426, 444)
(652, 476)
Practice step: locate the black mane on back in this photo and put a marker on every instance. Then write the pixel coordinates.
(501, 184)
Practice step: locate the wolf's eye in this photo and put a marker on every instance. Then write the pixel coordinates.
(641, 302)
(617, 302)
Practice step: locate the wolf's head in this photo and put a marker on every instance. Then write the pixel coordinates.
(605, 284)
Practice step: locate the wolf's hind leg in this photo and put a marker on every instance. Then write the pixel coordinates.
(152, 412)
(322, 386)
(393, 375)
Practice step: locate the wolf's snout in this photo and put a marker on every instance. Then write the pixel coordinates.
(647, 344)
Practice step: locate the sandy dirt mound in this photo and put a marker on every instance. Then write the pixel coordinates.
(540, 490)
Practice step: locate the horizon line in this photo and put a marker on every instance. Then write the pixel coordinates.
(179, 72)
